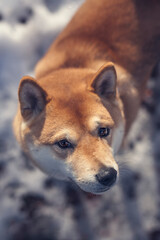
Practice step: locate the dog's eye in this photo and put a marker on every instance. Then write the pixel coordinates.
(103, 132)
(64, 144)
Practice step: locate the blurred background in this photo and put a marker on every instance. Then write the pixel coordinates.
(36, 207)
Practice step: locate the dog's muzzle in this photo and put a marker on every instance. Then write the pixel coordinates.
(103, 181)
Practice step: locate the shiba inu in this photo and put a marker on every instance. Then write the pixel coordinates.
(73, 117)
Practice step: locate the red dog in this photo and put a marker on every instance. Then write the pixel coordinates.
(74, 116)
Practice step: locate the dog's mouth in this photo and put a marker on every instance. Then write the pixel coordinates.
(100, 191)
(92, 187)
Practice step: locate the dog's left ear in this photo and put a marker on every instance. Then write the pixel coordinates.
(104, 83)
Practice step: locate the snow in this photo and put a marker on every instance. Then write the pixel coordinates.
(33, 206)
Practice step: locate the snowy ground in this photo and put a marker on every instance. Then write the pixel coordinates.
(33, 206)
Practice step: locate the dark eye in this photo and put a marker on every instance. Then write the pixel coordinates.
(64, 144)
(103, 132)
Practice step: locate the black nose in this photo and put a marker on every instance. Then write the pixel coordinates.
(107, 176)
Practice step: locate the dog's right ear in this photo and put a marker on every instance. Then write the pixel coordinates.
(32, 98)
(104, 82)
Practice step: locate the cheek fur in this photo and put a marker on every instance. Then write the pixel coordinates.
(48, 163)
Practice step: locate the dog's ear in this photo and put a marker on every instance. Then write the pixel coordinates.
(32, 98)
(104, 83)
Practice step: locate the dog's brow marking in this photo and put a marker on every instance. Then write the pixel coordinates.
(118, 135)
(96, 120)
(23, 126)
(68, 134)
(93, 122)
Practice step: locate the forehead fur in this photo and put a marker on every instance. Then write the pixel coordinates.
(66, 81)
(73, 115)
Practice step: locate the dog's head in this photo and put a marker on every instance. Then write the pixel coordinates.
(72, 125)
